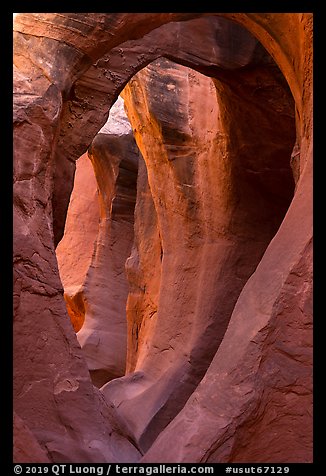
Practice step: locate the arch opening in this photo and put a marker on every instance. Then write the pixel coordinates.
(211, 140)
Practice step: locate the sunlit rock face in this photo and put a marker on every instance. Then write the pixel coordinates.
(217, 264)
(96, 244)
(118, 122)
(75, 250)
(103, 336)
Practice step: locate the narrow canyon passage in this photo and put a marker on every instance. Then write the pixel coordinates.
(96, 243)
(163, 262)
(197, 239)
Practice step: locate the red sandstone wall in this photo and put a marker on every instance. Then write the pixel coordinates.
(260, 376)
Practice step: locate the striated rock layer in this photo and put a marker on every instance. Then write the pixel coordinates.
(253, 403)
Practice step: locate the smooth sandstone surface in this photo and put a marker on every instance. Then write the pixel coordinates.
(96, 244)
(75, 250)
(217, 212)
(249, 399)
(103, 337)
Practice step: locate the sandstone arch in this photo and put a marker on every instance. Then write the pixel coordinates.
(37, 109)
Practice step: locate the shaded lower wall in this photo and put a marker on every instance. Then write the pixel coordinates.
(255, 401)
(26, 448)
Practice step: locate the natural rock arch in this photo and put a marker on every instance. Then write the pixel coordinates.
(37, 109)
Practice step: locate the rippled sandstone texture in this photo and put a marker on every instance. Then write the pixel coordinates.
(254, 401)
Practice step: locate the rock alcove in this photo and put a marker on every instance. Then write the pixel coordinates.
(217, 293)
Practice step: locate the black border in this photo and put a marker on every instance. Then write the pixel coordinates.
(6, 219)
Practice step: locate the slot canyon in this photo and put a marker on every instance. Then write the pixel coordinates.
(163, 237)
